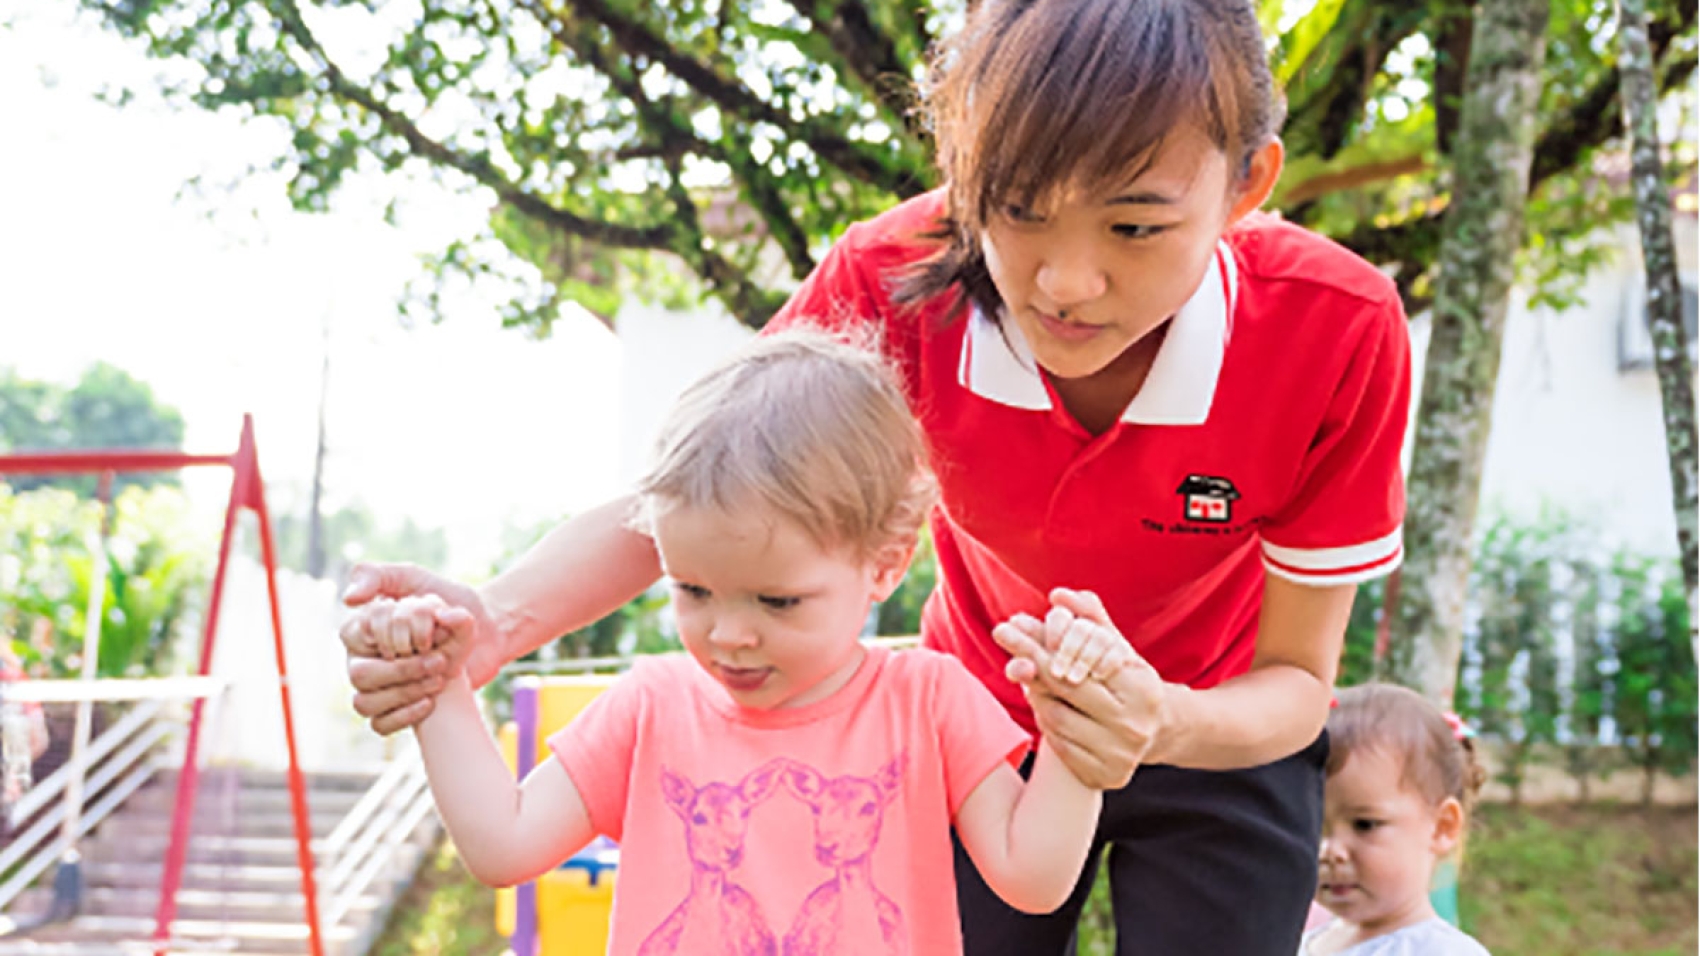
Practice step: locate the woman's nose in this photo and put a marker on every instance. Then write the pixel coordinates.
(1069, 277)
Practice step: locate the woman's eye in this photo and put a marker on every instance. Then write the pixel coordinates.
(1019, 213)
(778, 603)
(1138, 230)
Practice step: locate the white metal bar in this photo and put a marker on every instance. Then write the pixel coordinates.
(342, 904)
(368, 803)
(90, 820)
(114, 688)
(369, 838)
(46, 790)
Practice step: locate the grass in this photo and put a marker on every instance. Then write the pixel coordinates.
(1603, 880)
(444, 912)
(1591, 881)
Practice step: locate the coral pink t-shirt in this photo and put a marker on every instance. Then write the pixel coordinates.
(808, 830)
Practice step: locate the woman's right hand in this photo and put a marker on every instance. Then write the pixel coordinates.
(398, 693)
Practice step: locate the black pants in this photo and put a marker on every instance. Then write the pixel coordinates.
(1212, 863)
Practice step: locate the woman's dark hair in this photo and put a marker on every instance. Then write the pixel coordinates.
(1036, 95)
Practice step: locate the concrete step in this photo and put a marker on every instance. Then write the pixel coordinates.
(249, 824)
(130, 935)
(154, 799)
(247, 778)
(210, 876)
(265, 906)
(120, 847)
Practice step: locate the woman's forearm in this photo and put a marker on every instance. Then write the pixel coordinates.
(1277, 707)
(1261, 716)
(580, 572)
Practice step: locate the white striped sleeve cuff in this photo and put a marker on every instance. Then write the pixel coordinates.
(1352, 564)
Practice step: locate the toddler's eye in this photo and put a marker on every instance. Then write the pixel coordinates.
(1365, 825)
(694, 592)
(774, 603)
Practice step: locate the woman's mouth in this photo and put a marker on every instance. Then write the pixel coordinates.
(1066, 329)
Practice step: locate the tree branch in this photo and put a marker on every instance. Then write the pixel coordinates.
(1455, 24)
(477, 167)
(1350, 178)
(855, 159)
(1322, 124)
(1592, 120)
(871, 55)
(678, 140)
(1597, 116)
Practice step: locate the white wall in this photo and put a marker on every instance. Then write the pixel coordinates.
(247, 728)
(663, 352)
(1570, 430)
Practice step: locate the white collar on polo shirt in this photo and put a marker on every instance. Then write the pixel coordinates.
(997, 364)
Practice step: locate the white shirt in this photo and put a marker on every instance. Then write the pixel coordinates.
(1434, 937)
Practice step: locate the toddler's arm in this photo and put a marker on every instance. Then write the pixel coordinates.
(506, 832)
(1029, 840)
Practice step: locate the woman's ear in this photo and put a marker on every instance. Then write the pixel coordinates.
(1448, 827)
(890, 563)
(1261, 174)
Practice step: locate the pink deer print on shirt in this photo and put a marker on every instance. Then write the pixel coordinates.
(718, 917)
(847, 914)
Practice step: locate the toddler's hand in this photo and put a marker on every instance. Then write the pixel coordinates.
(1081, 647)
(392, 628)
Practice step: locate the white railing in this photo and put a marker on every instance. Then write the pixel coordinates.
(365, 842)
(113, 766)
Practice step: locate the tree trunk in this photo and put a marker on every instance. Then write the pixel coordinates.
(1481, 234)
(315, 517)
(1664, 294)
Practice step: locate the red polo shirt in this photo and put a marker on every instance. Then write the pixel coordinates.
(1266, 439)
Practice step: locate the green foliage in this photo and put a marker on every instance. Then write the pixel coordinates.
(1654, 689)
(155, 572)
(900, 614)
(353, 533)
(1570, 654)
(106, 408)
(714, 147)
(1357, 659)
(1516, 695)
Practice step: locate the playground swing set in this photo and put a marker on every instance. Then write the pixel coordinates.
(246, 493)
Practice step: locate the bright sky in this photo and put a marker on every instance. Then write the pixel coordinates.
(220, 304)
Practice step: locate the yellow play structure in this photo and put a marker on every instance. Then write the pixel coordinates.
(565, 911)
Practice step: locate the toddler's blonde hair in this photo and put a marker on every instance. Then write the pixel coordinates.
(810, 425)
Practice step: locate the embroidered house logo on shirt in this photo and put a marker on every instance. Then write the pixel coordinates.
(1208, 498)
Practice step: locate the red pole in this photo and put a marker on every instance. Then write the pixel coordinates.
(184, 805)
(297, 786)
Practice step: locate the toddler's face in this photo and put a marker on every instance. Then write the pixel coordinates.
(1380, 841)
(769, 613)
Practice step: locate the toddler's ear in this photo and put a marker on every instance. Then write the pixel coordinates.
(890, 564)
(1448, 827)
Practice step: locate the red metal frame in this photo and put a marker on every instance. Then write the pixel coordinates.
(246, 491)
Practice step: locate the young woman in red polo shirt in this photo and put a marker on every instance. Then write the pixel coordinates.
(1151, 408)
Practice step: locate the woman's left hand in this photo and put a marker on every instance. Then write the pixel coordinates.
(1104, 729)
